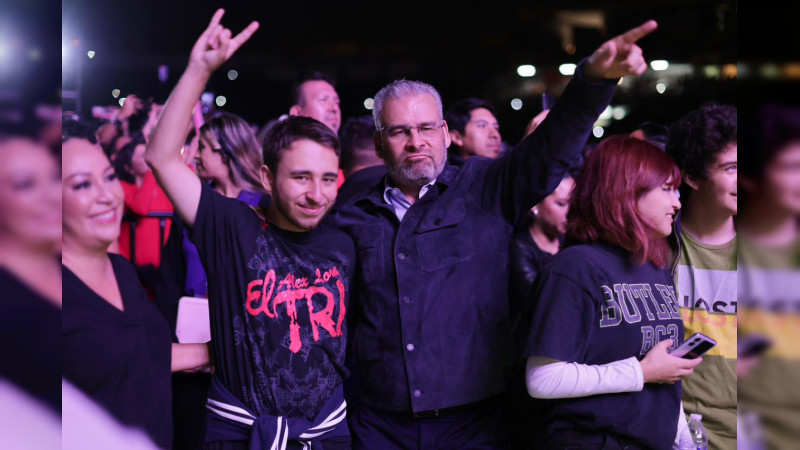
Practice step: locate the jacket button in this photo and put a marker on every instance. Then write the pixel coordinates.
(406, 299)
(410, 347)
(438, 221)
(417, 393)
(401, 256)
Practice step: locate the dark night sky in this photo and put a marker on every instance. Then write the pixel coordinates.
(461, 50)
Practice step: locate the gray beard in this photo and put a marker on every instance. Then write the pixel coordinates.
(413, 176)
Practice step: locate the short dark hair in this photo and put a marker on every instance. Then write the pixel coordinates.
(122, 161)
(356, 133)
(72, 127)
(296, 94)
(460, 112)
(283, 134)
(655, 132)
(696, 139)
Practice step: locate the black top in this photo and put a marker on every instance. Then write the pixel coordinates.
(120, 359)
(31, 349)
(591, 305)
(527, 260)
(277, 303)
(453, 158)
(358, 182)
(176, 265)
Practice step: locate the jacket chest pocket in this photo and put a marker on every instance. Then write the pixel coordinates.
(370, 247)
(443, 248)
(444, 240)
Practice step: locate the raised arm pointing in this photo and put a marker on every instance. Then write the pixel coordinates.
(620, 56)
(181, 184)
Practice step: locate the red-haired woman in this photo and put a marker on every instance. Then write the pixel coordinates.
(604, 313)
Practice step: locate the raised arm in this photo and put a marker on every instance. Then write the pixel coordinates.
(212, 49)
(535, 166)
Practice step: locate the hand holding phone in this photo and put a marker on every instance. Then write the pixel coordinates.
(694, 346)
(659, 366)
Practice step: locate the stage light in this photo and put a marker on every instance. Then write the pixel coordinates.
(526, 70)
(659, 64)
(567, 69)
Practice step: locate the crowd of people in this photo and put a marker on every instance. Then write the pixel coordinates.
(395, 281)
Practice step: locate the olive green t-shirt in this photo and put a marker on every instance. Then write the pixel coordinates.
(707, 294)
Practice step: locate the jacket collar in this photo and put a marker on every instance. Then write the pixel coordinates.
(374, 195)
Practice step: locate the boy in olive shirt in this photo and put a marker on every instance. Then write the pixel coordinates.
(703, 143)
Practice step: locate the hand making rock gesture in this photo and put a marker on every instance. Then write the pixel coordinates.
(215, 45)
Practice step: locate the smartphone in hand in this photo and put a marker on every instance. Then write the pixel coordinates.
(694, 346)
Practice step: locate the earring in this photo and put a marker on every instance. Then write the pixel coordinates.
(535, 212)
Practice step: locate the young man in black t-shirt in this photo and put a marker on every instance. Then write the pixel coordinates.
(279, 284)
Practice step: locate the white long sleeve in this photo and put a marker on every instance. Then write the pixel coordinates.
(569, 380)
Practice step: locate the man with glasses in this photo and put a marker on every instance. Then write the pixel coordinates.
(474, 130)
(432, 330)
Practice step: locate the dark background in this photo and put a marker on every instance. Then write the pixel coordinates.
(463, 50)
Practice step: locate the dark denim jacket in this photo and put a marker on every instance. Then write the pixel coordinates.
(432, 324)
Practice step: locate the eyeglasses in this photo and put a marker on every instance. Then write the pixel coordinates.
(400, 133)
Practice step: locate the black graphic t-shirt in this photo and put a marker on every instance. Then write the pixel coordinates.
(592, 306)
(277, 302)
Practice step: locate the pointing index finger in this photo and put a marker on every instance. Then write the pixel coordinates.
(639, 32)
